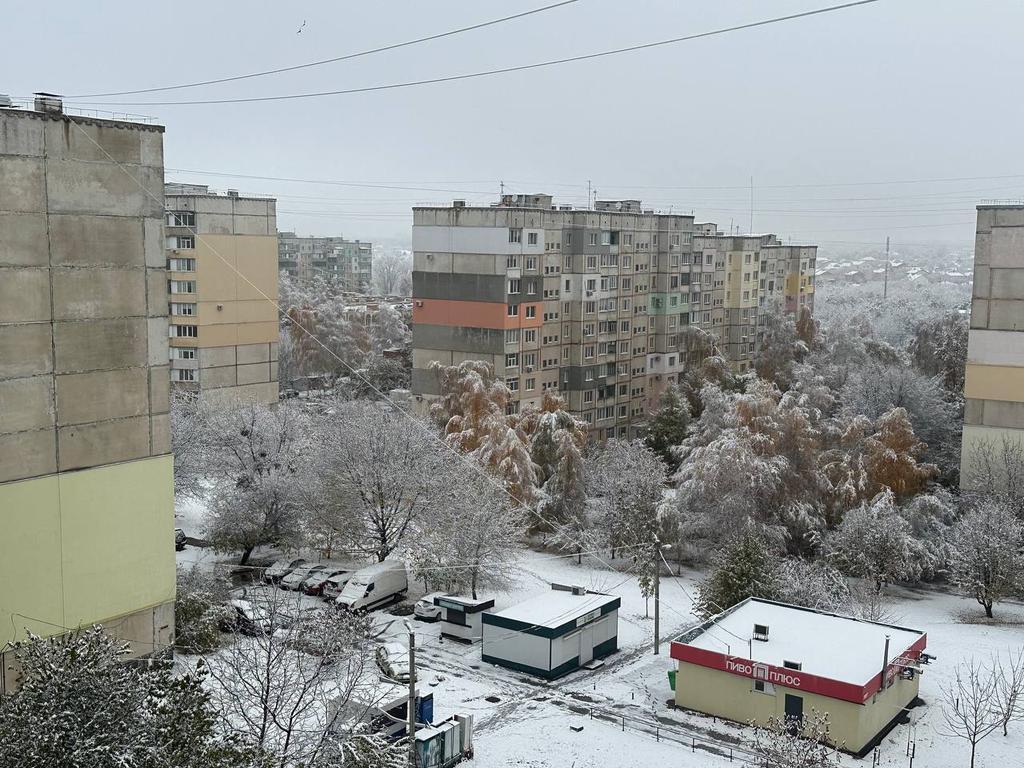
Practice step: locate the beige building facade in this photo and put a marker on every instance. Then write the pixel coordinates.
(994, 384)
(222, 293)
(86, 488)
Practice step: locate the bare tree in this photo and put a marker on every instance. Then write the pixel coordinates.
(1010, 687)
(256, 461)
(188, 443)
(969, 705)
(792, 743)
(381, 469)
(997, 468)
(279, 686)
(987, 554)
(389, 272)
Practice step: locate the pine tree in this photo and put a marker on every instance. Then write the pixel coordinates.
(668, 427)
(747, 567)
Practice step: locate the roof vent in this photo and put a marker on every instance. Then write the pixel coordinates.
(761, 632)
(49, 102)
(232, 193)
(458, 203)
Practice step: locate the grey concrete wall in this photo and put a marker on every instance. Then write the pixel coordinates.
(458, 287)
(83, 294)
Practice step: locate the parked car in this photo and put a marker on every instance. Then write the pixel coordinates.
(334, 585)
(373, 586)
(393, 661)
(246, 617)
(298, 575)
(425, 608)
(179, 539)
(315, 583)
(282, 568)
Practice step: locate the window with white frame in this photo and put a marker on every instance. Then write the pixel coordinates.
(515, 235)
(513, 285)
(182, 286)
(183, 331)
(183, 309)
(181, 265)
(512, 336)
(181, 219)
(512, 383)
(531, 263)
(181, 242)
(182, 353)
(512, 360)
(531, 238)
(513, 310)
(531, 312)
(183, 374)
(530, 336)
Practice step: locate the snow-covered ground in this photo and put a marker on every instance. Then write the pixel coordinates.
(531, 723)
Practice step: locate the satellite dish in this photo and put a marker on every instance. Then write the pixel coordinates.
(618, 206)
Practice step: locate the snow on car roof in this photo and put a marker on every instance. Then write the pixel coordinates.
(826, 644)
(553, 609)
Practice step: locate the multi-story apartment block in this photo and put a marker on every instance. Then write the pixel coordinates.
(607, 306)
(348, 262)
(222, 290)
(994, 385)
(86, 488)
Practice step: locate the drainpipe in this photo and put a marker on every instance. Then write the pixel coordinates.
(885, 664)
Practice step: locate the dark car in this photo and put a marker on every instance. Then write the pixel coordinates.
(315, 582)
(180, 539)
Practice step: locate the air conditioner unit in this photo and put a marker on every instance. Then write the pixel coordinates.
(590, 293)
(419, 303)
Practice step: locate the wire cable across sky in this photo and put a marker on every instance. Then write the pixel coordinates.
(493, 72)
(321, 62)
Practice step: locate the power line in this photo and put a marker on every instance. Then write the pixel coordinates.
(321, 62)
(500, 71)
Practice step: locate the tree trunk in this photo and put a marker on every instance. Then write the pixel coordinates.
(247, 553)
(988, 608)
(974, 746)
(474, 585)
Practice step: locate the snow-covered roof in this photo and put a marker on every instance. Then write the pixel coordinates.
(554, 608)
(826, 644)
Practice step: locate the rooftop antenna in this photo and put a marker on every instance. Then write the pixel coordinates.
(501, 185)
(751, 230)
(588, 194)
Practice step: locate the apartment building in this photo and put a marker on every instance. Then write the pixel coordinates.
(994, 385)
(606, 305)
(86, 487)
(348, 262)
(222, 274)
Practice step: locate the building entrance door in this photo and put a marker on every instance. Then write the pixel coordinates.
(794, 713)
(586, 645)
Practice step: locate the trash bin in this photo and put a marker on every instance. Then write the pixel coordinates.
(672, 679)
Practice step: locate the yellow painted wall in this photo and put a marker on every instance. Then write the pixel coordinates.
(85, 547)
(994, 382)
(733, 697)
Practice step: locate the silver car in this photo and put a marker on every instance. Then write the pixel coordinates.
(294, 579)
(425, 608)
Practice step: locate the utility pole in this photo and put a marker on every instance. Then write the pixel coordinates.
(657, 598)
(411, 727)
(588, 194)
(885, 288)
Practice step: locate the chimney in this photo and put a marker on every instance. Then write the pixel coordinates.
(49, 102)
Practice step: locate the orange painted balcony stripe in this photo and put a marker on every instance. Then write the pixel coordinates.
(474, 314)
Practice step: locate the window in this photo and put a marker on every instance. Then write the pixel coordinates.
(183, 374)
(591, 285)
(531, 312)
(593, 238)
(513, 285)
(181, 219)
(763, 687)
(512, 336)
(178, 308)
(515, 235)
(588, 351)
(588, 396)
(589, 307)
(511, 261)
(182, 286)
(182, 353)
(531, 238)
(181, 265)
(512, 384)
(529, 359)
(512, 360)
(588, 329)
(531, 287)
(182, 242)
(183, 331)
(530, 336)
(531, 263)
(531, 384)
(513, 310)
(591, 262)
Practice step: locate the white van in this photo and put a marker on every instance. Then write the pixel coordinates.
(374, 586)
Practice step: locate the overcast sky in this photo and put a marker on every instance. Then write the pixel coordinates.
(896, 90)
